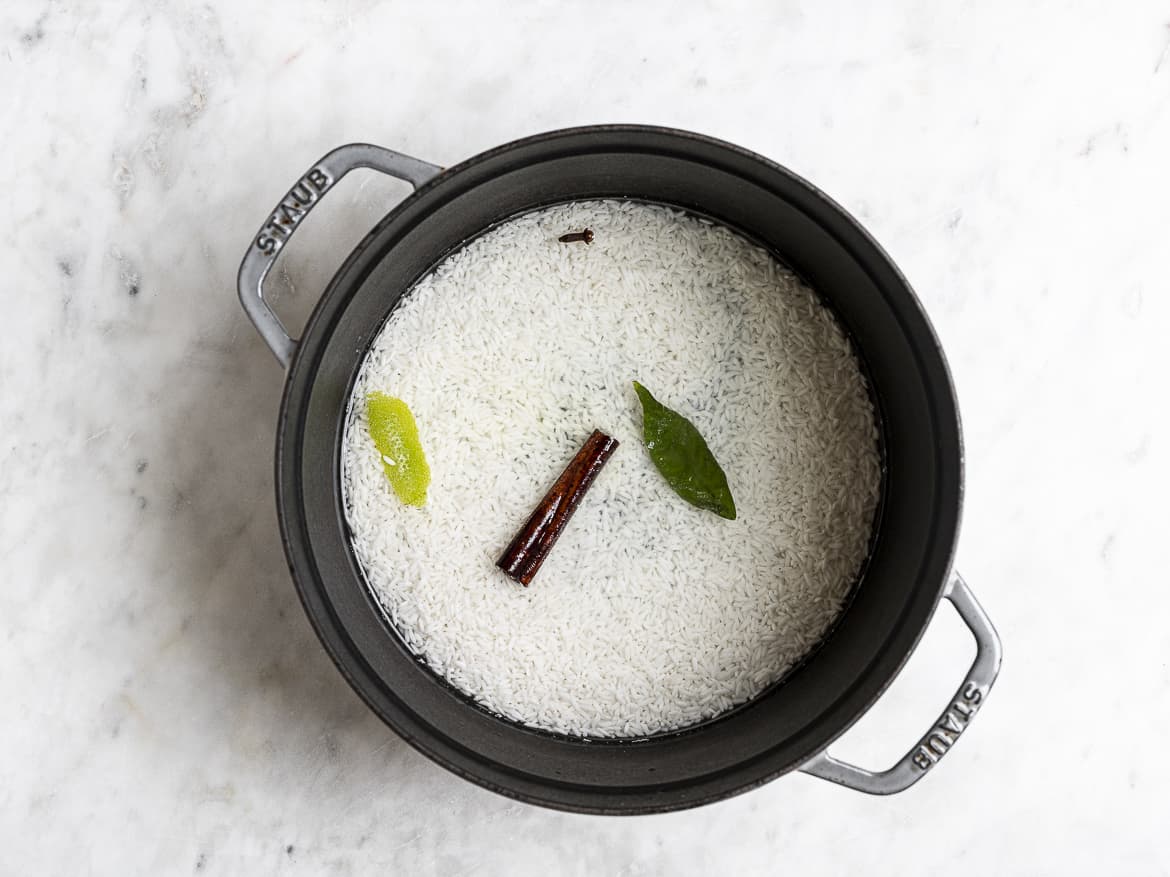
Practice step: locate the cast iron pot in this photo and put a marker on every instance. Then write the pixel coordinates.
(789, 726)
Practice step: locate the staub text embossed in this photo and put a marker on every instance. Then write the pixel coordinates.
(947, 729)
(291, 210)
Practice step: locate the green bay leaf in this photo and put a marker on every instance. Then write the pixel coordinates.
(679, 452)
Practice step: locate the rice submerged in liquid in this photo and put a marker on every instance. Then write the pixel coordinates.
(648, 614)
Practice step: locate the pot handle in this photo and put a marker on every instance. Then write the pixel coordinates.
(289, 213)
(955, 719)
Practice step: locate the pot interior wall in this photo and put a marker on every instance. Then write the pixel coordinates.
(914, 540)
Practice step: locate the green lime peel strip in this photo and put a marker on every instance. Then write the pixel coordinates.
(679, 452)
(395, 435)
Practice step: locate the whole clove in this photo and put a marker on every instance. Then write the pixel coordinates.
(586, 235)
(523, 557)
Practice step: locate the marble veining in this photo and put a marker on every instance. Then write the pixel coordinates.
(168, 709)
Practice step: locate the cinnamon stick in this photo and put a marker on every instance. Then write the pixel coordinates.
(522, 558)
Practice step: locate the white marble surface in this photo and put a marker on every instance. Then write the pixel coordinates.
(166, 706)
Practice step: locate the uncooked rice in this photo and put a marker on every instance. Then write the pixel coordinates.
(649, 614)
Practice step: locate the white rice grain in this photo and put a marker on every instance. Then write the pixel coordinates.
(649, 614)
